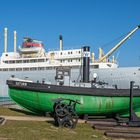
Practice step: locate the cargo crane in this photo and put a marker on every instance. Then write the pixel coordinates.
(101, 59)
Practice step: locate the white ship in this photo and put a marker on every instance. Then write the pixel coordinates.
(31, 61)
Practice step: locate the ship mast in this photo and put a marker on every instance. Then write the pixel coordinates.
(119, 44)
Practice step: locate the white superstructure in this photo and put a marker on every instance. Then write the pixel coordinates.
(32, 55)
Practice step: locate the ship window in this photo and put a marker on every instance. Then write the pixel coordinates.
(6, 62)
(26, 69)
(0, 69)
(25, 61)
(71, 52)
(79, 52)
(79, 60)
(49, 68)
(61, 53)
(40, 60)
(41, 68)
(33, 60)
(68, 52)
(18, 69)
(11, 62)
(96, 66)
(33, 68)
(11, 69)
(71, 60)
(5, 69)
(19, 61)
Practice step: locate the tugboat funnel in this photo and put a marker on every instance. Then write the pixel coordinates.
(86, 61)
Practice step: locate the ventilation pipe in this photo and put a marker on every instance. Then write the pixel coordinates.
(61, 42)
(93, 57)
(15, 41)
(5, 40)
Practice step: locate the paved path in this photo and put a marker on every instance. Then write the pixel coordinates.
(27, 118)
(32, 118)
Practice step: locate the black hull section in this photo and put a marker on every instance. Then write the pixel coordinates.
(49, 88)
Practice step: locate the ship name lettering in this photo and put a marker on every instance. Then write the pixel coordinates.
(21, 84)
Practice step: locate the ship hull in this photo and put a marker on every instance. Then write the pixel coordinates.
(39, 98)
(117, 76)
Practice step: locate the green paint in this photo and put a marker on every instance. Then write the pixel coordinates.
(40, 102)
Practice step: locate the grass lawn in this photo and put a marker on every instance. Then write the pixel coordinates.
(33, 130)
(10, 111)
(22, 130)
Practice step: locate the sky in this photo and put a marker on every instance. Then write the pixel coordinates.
(95, 23)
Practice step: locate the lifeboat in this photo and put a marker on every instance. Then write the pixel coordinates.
(31, 46)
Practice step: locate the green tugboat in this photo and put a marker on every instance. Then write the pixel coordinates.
(86, 98)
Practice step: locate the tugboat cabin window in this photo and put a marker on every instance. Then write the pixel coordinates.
(96, 66)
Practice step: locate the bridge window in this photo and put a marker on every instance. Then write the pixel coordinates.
(33, 60)
(40, 60)
(25, 61)
(41, 68)
(19, 61)
(5, 69)
(33, 69)
(18, 69)
(26, 69)
(11, 69)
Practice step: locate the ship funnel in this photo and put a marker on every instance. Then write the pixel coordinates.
(86, 61)
(61, 42)
(15, 41)
(5, 40)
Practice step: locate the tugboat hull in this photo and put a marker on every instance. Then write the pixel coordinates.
(39, 98)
